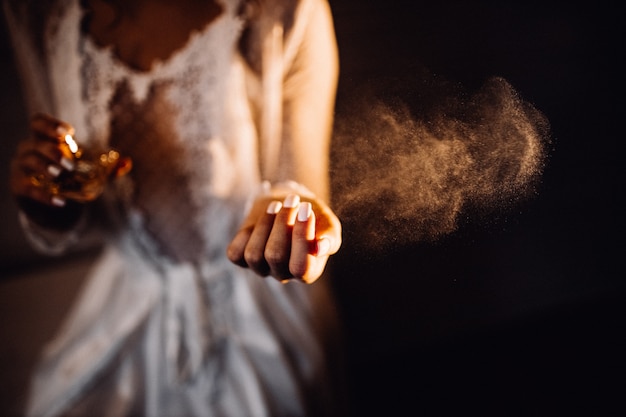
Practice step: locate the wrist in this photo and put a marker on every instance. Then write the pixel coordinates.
(53, 217)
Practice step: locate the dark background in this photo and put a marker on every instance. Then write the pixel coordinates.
(520, 314)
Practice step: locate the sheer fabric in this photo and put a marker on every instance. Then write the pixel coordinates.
(165, 325)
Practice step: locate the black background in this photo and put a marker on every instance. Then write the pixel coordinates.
(518, 315)
(523, 313)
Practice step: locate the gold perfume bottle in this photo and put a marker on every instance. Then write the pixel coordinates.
(92, 170)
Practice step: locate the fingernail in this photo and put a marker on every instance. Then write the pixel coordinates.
(274, 207)
(67, 163)
(304, 211)
(57, 201)
(61, 130)
(291, 201)
(323, 247)
(54, 170)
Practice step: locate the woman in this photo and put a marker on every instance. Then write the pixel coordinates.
(225, 109)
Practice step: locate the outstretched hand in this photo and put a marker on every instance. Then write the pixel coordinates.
(289, 239)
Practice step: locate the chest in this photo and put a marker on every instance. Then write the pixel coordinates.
(141, 32)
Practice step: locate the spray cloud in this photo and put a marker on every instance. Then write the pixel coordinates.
(408, 162)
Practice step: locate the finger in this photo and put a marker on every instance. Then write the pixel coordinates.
(324, 246)
(46, 125)
(30, 187)
(278, 247)
(303, 245)
(327, 231)
(47, 128)
(53, 152)
(30, 176)
(254, 253)
(236, 248)
(35, 164)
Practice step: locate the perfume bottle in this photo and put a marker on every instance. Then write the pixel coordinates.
(92, 170)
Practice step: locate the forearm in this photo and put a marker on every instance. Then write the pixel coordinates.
(309, 98)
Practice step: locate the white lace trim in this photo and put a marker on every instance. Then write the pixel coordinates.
(199, 77)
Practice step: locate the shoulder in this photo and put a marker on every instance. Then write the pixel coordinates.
(33, 18)
(262, 14)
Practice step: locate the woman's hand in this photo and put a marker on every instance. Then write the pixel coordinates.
(287, 239)
(41, 158)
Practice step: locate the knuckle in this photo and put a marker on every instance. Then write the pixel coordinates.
(233, 254)
(275, 257)
(254, 258)
(298, 268)
(299, 233)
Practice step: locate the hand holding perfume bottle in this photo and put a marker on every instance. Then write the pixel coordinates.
(86, 174)
(50, 167)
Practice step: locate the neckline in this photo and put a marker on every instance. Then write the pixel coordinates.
(160, 66)
(140, 82)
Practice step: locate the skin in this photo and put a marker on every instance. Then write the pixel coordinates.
(284, 247)
(44, 149)
(132, 27)
(272, 243)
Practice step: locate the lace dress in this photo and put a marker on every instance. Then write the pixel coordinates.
(165, 325)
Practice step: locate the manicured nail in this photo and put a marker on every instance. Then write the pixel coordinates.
(57, 201)
(274, 207)
(291, 201)
(67, 163)
(304, 211)
(54, 170)
(61, 130)
(323, 246)
(71, 143)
